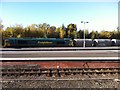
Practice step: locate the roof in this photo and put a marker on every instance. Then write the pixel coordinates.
(38, 39)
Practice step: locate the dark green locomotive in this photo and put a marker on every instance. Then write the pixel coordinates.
(37, 42)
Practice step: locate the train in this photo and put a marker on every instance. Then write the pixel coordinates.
(57, 42)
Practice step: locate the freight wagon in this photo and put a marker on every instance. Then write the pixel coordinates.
(79, 42)
(102, 42)
(115, 42)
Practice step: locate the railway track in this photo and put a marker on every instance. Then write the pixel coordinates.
(51, 73)
(58, 72)
(34, 75)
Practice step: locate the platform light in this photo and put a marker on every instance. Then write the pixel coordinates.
(84, 32)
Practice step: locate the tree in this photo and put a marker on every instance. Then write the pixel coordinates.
(94, 35)
(18, 31)
(86, 34)
(51, 32)
(40, 33)
(72, 28)
(115, 34)
(58, 32)
(1, 32)
(62, 33)
(43, 28)
(105, 34)
(26, 32)
(1, 26)
(9, 32)
(80, 34)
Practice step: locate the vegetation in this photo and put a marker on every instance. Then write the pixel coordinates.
(46, 31)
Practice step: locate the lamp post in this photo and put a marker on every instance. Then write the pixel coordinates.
(84, 33)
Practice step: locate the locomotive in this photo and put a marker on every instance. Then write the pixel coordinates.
(37, 42)
(56, 42)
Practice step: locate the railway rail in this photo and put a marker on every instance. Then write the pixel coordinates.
(60, 48)
(35, 70)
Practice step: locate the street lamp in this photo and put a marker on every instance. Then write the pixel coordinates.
(84, 33)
